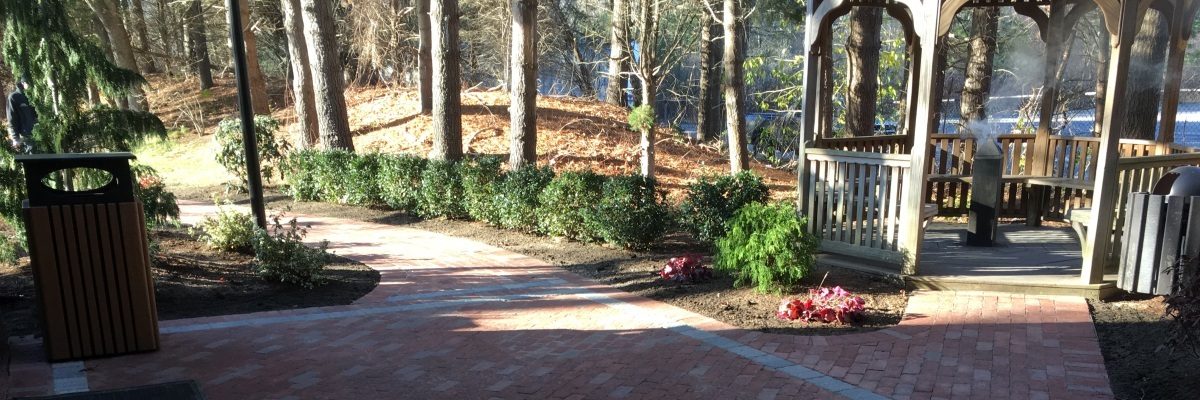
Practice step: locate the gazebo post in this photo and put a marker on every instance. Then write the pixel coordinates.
(813, 64)
(1104, 202)
(1179, 28)
(913, 198)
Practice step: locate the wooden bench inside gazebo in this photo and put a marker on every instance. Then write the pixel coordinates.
(869, 196)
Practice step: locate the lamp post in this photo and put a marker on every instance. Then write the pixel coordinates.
(246, 111)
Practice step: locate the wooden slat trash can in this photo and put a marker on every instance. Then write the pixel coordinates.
(1160, 232)
(90, 259)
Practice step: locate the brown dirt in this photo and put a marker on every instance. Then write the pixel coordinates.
(1131, 331)
(193, 281)
(572, 133)
(634, 272)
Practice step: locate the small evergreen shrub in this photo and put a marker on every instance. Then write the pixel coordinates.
(441, 191)
(711, 202)
(766, 246)
(630, 213)
(361, 181)
(231, 152)
(479, 179)
(10, 250)
(228, 230)
(280, 255)
(564, 203)
(516, 199)
(399, 181)
(318, 175)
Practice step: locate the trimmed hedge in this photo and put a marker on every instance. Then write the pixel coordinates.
(479, 179)
(564, 204)
(711, 201)
(516, 199)
(631, 212)
(399, 181)
(441, 189)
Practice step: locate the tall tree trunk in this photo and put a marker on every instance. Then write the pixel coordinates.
(733, 82)
(329, 101)
(523, 96)
(258, 84)
(424, 58)
(1147, 59)
(302, 85)
(583, 77)
(143, 38)
(978, 84)
(648, 57)
(197, 41)
(863, 49)
(709, 108)
(447, 102)
(614, 91)
(118, 37)
(171, 38)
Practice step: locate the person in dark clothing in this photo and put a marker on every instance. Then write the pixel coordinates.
(21, 118)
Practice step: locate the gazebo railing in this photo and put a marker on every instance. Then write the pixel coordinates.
(853, 201)
(949, 161)
(884, 144)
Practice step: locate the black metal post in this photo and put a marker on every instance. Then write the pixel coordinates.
(253, 170)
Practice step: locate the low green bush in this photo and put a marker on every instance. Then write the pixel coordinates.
(318, 175)
(158, 203)
(231, 152)
(766, 246)
(399, 181)
(441, 191)
(712, 201)
(479, 179)
(516, 198)
(631, 213)
(10, 250)
(228, 230)
(280, 255)
(564, 202)
(361, 181)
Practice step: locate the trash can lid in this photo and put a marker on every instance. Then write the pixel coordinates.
(1181, 181)
(38, 167)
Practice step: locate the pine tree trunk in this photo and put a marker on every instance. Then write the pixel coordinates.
(424, 58)
(648, 57)
(329, 101)
(118, 37)
(708, 108)
(170, 35)
(1147, 60)
(447, 103)
(258, 84)
(197, 41)
(523, 96)
(863, 49)
(143, 38)
(733, 82)
(614, 91)
(302, 86)
(978, 84)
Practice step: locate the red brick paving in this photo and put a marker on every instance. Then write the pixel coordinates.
(559, 336)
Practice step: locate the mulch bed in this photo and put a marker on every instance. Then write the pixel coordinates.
(194, 281)
(635, 272)
(1131, 330)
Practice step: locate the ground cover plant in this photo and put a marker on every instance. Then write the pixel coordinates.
(685, 269)
(824, 304)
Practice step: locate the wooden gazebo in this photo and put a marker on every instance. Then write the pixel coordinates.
(869, 196)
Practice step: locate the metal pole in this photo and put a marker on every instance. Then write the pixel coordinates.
(253, 171)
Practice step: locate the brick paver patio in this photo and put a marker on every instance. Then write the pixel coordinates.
(457, 319)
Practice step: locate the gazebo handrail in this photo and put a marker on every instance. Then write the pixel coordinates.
(1164, 160)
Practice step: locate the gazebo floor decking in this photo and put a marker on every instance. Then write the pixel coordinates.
(1033, 260)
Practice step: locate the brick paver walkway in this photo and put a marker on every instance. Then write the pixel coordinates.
(458, 319)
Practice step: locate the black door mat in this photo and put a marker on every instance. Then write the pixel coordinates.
(182, 390)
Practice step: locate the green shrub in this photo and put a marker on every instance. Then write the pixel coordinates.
(158, 203)
(516, 199)
(228, 230)
(318, 175)
(441, 191)
(479, 179)
(399, 181)
(711, 202)
(630, 213)
(564, 203)
(231, 152)
(361, 181)
(766, 246)
(280, 255)
(10, 250)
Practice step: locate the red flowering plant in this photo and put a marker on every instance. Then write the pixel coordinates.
(823, 304)
(687, 268)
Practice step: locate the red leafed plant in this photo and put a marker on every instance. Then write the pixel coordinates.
(688, 268)
(825, 305)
